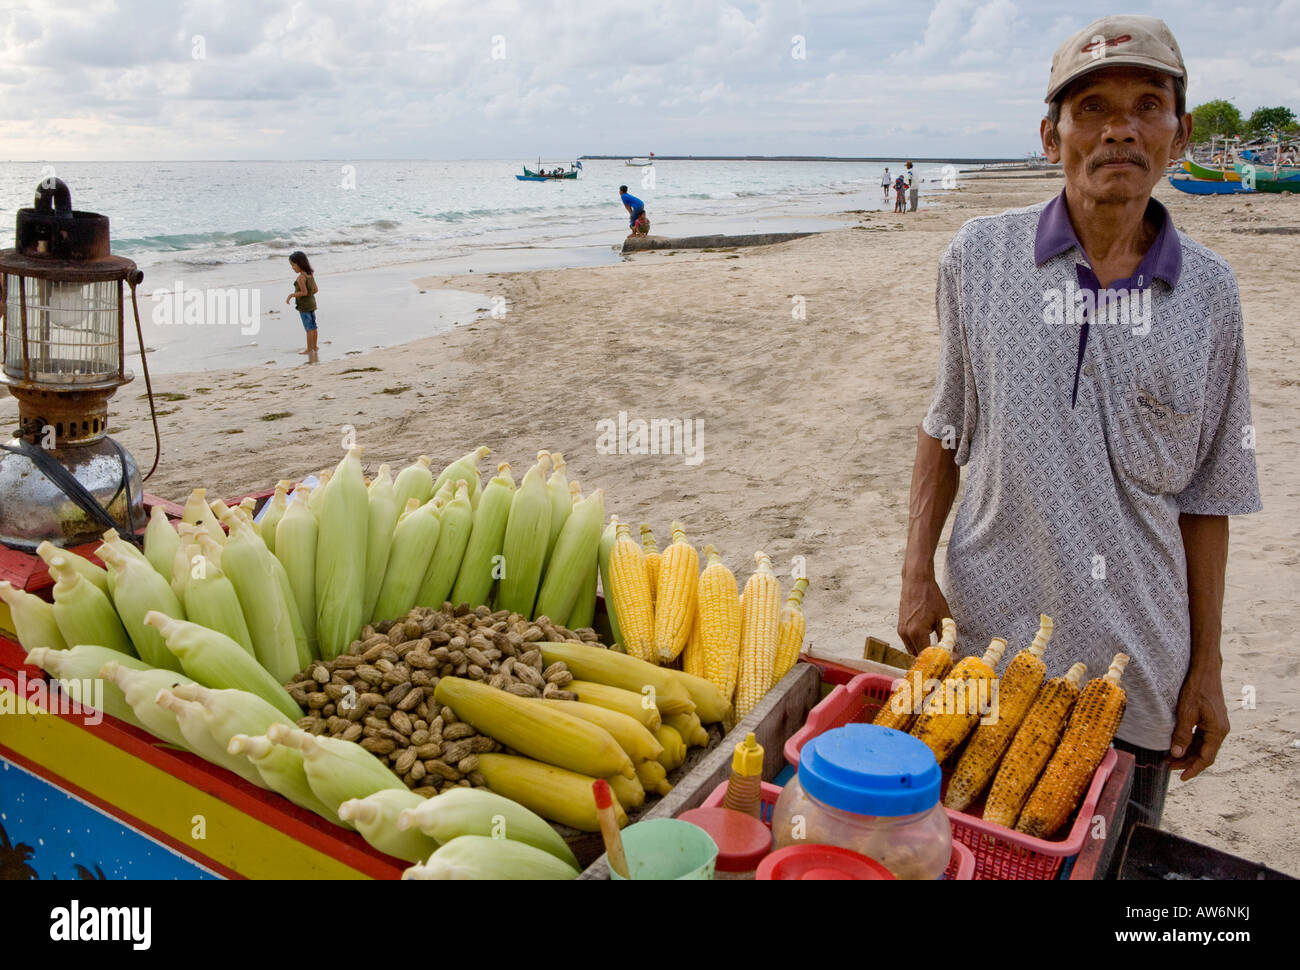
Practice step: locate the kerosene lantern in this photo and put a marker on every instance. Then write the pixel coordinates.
(62, 298)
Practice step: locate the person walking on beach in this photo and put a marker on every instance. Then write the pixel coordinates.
(638, 222)
(1103, 456)
(304, 297)
(885, 182)
(900, 184)
(912, 186)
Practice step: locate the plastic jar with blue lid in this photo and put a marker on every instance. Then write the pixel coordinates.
(872, 790)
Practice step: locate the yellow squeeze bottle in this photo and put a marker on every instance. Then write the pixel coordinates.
(744, 787)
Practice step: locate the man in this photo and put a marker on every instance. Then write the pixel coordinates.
(912, 186)
(638, 223)
(1105, 447)
(885, 183)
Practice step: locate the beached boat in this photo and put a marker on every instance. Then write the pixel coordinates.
(1196, 170)
(1265, 174)
(1208, 187)
(556, 175)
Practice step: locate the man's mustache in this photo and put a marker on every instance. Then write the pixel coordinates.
(1109, 157)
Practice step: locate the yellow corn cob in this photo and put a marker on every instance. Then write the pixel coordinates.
(693, 655)
(607, 540)
(1092, 726)
(382, 512)
(215, 660)
(479, 567)
(528, 531)
(674, 748)
(137, 589)
(952, 711)
(1017, 689)
(620, 670)
(762, 611)
(718, 614)
(77, 669)
(340, 559)
(790, 631)
(281, 770)
(83, 613)
(477, 811)
(414, 540)
(626, 702)
(631, 594)
(337, 770)
(927, 671)
(295, 548)
(653, 777)
(572, 559)
(652, 560)
(533, 729)
(415, 481)
(160, 542)
(1032, 746)
(553, 793)
(139, 690)
(97, 575)
(483, 857)
(33, 619)
(453, 536)
(375, 817)
(689, 729)
(632, 736)
(629, 791)
(675, 595)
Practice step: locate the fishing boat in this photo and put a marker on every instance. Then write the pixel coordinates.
(1191, 167)
(1263, 175)
(554, 175)
(1208, 187)
(641, 162)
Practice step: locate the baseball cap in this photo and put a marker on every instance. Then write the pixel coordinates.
(1126, 40)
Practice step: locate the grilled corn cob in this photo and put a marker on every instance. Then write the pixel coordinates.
(652, 560)
(718, 615)
(336, 770)
(340, 559)
(528, 531)
(1017, 689)
(952, 711)
(33, 619)
(83, 613)
(572, 559)
(77, 669)
(1032, 747)
(476, 811)
(553, 793)
(382, 512)
(675, 595)
(160, 542)
(758, 626)
(457, 522)
(537, 730)
(481, 857)
(631, 595)
(281, 770)
(414, 540)
(1088, 733)
(480, 565)
(928, 669)
(790, 631)
(375, 817)
(620, 670)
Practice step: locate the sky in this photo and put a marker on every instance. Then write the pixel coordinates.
(359, 79)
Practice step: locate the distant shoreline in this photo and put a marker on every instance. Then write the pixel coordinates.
(801, 158)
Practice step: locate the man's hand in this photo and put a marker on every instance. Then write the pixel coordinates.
(1200, 722)
(921, 609)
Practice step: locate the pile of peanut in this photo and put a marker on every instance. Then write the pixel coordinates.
(380, 693)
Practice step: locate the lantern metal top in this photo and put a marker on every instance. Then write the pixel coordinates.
(53, 241)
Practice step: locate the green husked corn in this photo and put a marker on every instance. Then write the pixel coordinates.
(137, 589)
(375, 817)
(88, 570)
(561, 504)
(465, 468)
(232, 712)
(210, 599)
(77, 669)
(483, 857)
(382, 512)
(528, 531)
(337, 770)
(195, 727)
(33, 619)
(295, 547)
(607, 540)
(160, 542)
(478, 568)
(414, 540)
(341, 558)
(575, 552)
(198, 513)
(215, 660)
(584, 608)
(301, 645)
(84, 613)
(457, 522)
(139, 689)
(247, 564)
(415, 481)
(281, 769)
(274, 513)
(477, 811)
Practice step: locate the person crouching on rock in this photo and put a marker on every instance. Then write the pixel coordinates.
(638, 222)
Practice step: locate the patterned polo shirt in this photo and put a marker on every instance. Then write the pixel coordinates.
(1087, 426)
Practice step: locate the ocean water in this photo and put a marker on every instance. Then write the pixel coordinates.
(370, 227)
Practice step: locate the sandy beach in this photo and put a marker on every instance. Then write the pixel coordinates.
(806, 429)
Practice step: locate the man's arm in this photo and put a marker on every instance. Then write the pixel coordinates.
(934, 486)
(1201, 720)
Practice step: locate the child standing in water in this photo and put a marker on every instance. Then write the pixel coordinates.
(304, 297)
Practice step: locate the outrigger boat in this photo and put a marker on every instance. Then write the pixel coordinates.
(1195, 186)
(540, 175)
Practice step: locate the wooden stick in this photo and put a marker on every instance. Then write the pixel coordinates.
(609, 827)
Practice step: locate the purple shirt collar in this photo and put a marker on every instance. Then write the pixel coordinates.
(1164, 259)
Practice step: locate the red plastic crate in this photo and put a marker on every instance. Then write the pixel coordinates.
(1000, 852)
(961, 865)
